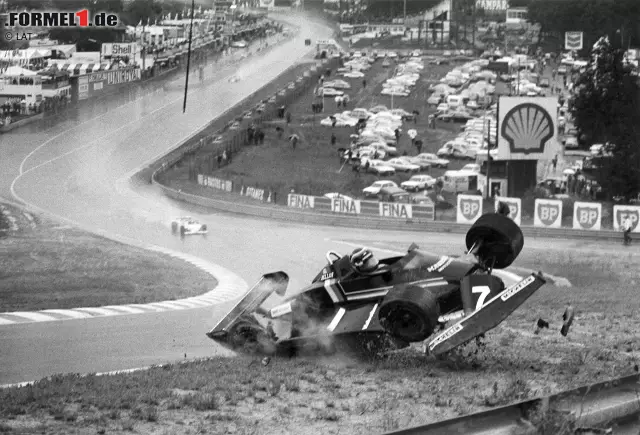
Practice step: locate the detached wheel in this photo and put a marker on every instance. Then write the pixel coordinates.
(409, 313)
(501, 238)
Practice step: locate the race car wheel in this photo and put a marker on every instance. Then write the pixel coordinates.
(174, 227)
(409, 313)
(500, 240)
(182, 231)
(251, 338)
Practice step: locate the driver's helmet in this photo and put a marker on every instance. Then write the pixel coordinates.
(363, 260)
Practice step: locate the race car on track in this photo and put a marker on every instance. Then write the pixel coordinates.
(442, 301)
(187, 226)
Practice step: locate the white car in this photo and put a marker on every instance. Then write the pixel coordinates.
(442, 107)
(433, 160)
(381, 146)
(418, 182)
(424, 166)
(337, 84)
(371, 153)
(239, 44)
(375, 188)
(434, 100)
(472, 167)
(379, 167)
(187, 226)
(353, 74)
(360, 113)
(341, 121)
(403, 114)
(335, 195)
(571, 142)
(396, 92)
(402, 165)
(378, 109)
(235, 126)
(330, 92)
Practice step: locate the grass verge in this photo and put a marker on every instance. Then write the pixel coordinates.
(313, 167)
(44, 265)
(344, 395)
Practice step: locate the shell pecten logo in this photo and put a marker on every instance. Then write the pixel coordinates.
(527, 128)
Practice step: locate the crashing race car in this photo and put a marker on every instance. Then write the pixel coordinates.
(187, 226)
(420, 296)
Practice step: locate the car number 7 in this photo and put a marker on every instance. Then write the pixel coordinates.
(484, 292)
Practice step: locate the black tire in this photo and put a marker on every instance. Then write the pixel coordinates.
(502, 239)
(174, 227)
(182, 231)
(409, 313)
(204, 227)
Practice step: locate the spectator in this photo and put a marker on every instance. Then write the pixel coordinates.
(261, 136)
(364, 83)
(294, 140)
(334, 120)
(224, 157)
(279, 131)
(626, 231)
(415, 116)
(397, 133)
(219, 160)
(230, 156)
(288, 118)
(333, 139)
(419, 146)
(554, 162)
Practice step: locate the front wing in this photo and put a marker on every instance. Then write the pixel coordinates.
(494, 312)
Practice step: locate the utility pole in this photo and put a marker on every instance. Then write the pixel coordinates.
(405, 13)
(488, 157)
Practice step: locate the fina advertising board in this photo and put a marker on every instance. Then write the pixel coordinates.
(527, 128)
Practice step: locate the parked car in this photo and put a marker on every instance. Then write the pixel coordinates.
(402, 165)
(330, 92)
(380, 167)
(424, 166)
(571, 142)
(375, 188)
(433, 160)
(418, 182)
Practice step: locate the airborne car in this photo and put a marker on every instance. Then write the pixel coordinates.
(187, 226)
(407, 299)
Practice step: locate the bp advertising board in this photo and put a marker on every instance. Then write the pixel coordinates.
(469, 209)
(587, 216)
(548, 213)
(527, 128)
(515, 208)
(624, 212)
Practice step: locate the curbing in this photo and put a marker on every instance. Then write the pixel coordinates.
(230, 286)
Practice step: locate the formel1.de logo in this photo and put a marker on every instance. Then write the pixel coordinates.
(81, 18)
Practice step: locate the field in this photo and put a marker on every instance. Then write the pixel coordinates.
(314, 166)
(354, 396)
(45, 265)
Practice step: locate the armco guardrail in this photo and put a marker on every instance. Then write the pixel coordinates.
(272, 211)
(596, 405)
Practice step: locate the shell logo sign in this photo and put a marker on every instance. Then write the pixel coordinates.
(527, 128)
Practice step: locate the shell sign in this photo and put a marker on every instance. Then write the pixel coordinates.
(548, 213)
(515, 208)
(587, 216)
(469, 208)
(527, 128)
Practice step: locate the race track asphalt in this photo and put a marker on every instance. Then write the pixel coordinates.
(78, 170)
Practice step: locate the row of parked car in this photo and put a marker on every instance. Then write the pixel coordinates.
(478, 136)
